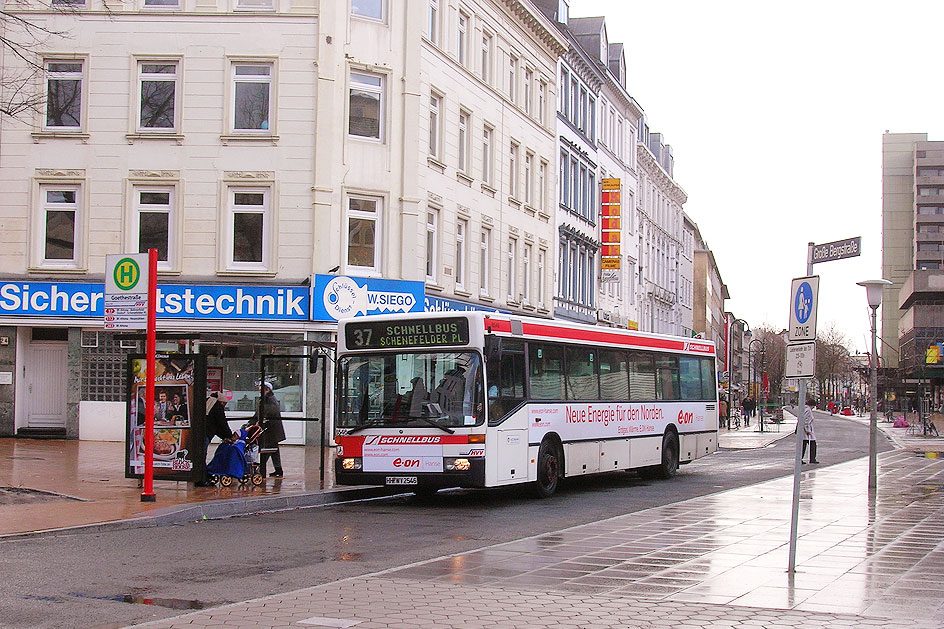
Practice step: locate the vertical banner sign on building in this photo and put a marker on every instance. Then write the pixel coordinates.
(611, 230)
(126, 291)
(179, 417)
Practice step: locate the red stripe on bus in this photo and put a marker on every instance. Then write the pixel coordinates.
(595, 336)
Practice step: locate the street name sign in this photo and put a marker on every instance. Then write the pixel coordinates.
(801, 360)
(804, 292)
(837, 250)
(126, 291)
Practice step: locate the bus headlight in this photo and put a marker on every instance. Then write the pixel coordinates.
(351, 464)
(457, 465)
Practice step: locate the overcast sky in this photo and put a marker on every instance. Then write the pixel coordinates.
(775, 113)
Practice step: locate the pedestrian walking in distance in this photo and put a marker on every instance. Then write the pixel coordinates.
(809, 436)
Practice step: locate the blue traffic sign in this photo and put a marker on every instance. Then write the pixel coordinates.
(803, 302)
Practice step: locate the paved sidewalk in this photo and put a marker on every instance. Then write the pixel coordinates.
(48, 485)
(713, 561)
(749, 437)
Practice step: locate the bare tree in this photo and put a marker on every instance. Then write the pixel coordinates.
(834, 364)
(769, 356)
(22, 37)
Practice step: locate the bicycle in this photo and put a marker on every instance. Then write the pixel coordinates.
(928, 429)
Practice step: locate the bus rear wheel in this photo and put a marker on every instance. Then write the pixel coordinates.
(549, 470)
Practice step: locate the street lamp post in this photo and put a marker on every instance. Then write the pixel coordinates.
(873, 292)
(750, 381)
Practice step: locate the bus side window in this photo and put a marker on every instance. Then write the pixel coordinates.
(667, 369)
(505, 371)
(708, 379)
(642, 377)
(582, 381)
(546, 371)
(614, 376)
(690, 377)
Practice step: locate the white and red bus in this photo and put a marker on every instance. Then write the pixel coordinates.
(475, 399)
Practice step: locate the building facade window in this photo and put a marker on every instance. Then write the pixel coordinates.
(564, 106)
(366, 102)
(462, 228)
(542, 102)
(462, 43)
(255, 5)
(542, 296)
(485, 243)
(432, 238)
(513, 170)
(528, 81)
(252, 96)
(463, 140)
(250, 227)
(486, 69)
(373, 9)
(363, 233)
(157, 95)
(512, 77)
(154, 214)
(64, 93)
(432, 21)
(62, 216)
(512, 269)
(487, 167)
(526, 273)
(435, 122)
(529, 178)
(542, 186)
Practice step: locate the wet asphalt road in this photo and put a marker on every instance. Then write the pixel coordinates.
(103, 579)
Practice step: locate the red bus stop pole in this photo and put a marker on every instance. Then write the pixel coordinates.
(148, 494)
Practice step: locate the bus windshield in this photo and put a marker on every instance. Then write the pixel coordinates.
(422, 389)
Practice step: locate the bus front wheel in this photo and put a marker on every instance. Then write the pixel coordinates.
(670, 460)
(549, 470)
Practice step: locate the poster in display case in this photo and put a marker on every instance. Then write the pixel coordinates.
(179, 416)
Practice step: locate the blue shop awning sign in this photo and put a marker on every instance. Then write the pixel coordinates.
(337, 297)
(174, 301)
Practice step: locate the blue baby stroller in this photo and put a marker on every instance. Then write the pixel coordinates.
(238, 460)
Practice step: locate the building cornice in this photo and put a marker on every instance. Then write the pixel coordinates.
(662, 179)
(540, 26)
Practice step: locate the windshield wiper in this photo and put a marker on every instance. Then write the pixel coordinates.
(371, 424)
(432, 422)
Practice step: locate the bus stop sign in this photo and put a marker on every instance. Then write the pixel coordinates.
(803, 296)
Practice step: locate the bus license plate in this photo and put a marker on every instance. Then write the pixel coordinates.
(401, 480)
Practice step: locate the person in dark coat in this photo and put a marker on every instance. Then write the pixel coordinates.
(216, 425)
(269, 417)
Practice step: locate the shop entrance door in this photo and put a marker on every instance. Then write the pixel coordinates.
(46, 381)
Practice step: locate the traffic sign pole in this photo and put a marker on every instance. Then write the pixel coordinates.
(148, 494)
(801, 408)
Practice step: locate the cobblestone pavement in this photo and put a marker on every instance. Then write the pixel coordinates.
(713, 561)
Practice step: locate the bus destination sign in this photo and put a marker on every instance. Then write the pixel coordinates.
(393, 334)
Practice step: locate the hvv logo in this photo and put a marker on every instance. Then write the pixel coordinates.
(339, 297)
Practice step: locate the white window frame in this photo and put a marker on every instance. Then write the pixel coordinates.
(370, 88)
(542, 260)
(528, 178)
(513, 269)
(158, 77)
(269, 220)
(435, 109)
(542, 102)
(565, 92)
(462, 229)
(528, 81)
(486, 69)
(79, 229)
(137, 208)
(488, 168)
(542, 186)
(379, 4)
(462, 37)
(432, 21)
(512, 77)
(465, 125)
(79, 76)
(432, 245)
(513, 170)
(526, 273)
(485, 276)
(263, 79)
(374, 216)
(254, 5)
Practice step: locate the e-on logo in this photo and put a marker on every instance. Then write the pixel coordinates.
(126, 274)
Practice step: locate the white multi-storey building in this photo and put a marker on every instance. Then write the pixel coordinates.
(260, 146)
(659, 203)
